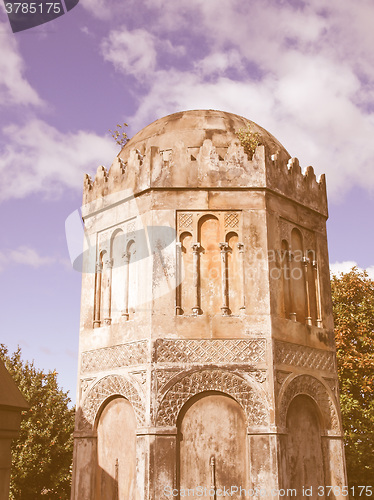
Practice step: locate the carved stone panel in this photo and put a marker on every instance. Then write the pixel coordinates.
(134, 353)
(210, 351)
(226, 382)
(305, 357)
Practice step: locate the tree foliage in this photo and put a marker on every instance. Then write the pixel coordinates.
(119, 135)
(353, 305)
(42, 455)
(248, 139)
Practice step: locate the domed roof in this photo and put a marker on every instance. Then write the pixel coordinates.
(200, 149)
(193, 127)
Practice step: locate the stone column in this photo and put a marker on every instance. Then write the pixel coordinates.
(126, 260)
(107, 273)
(308, 318)
(242, 275)
(293, 313)
(224, 247)
(178, 278)
(84, 460)
(334, 463)
(99, 269)
(196, 249)
(156, 463)
(318, 294)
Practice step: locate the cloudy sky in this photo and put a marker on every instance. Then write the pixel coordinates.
(304, 70)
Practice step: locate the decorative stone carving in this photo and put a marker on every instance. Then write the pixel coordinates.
(310, 386)
(210, 351)
(281, 376)
(259, 375)
(134, 353)
(130, 230)
(212, 380)
(185, 220)
(163, 377)
(334, 385)
(109, 386)
(306, 357)
(85, 384)
(140, 377)
(232, 220)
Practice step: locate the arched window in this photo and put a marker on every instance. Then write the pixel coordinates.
(133, 290)
(233, 273)
(210, 265)
(186, 264)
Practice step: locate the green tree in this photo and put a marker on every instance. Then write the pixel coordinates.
(353, 305)
(42, 455)
(248, 139)
(119, 135)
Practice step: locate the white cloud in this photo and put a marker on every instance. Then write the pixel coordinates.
(29, 257)
(132, 52)
(38, 158)
(346, 266)
(24, 255)
(310, 82)
(219, 62)
(14, 88)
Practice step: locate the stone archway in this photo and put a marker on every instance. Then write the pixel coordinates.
(115, 476)
(309, 417)
(180, 391)
(107, 387)
(212, 445)
(304, 456)
(315, 389)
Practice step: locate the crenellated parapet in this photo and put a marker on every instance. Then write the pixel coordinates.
(208, 167)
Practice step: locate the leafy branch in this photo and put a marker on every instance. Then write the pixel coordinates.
(119, 135)
(248, 139)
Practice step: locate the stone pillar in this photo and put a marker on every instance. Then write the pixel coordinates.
(318, 294)
(84, 460)
(107, 275)
(156, 463)
(196, 249)
(224, 247)
(308, 319)
(263, 461)
(292, 304)
(99, 269)
(242, 276)
(126, 260)
(178, 278)
(334, 463)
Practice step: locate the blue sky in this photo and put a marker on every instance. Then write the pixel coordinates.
(303, 70)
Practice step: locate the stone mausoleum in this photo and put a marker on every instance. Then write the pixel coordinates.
(207, 356)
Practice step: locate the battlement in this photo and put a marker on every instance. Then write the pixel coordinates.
(208, 167)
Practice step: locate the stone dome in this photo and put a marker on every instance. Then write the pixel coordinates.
(193, 127)
(200, 149)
